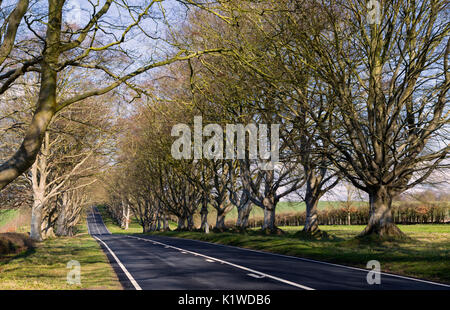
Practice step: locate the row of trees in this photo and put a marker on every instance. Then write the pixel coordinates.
(356, 101)
(353, 99)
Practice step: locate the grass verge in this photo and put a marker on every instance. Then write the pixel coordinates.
(45, 266)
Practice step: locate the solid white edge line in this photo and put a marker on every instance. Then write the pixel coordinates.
(316, 261)
(130, 277)
(233, 265)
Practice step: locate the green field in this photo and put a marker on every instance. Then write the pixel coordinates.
(45, 267)
(282, 208)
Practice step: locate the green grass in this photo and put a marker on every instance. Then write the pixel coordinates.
(114, 228)
(7, 215)
(425, 255)
(45, 267)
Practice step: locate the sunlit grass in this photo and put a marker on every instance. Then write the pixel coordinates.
(114, 228)
(45, 267)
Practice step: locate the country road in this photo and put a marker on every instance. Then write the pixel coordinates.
(163, 263)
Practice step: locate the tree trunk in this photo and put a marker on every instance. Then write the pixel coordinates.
(269, 215)
(311, 222)
(243, 215)
(220, 222)
(25, 156)
(181, 223)
(204, 216)
(61, 229)
(204, 225)
(190, 222)
(165, 223)
(380, 221)
(36, 221)
(158, 222)
(269, 219)
(125, 217)
(146, 227)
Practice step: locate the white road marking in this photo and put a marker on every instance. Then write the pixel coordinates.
(130, 277)
(255, 276)
(318, 262)
(208, 260)
(231, 264)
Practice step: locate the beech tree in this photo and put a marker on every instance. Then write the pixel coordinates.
(354, 97)
(240, 197)
(389, 83)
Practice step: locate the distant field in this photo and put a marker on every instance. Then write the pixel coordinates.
(293, 207)
(6, 216)
(17, 220)
(427, 232)
(289, 207)
(133, 228)
(283, 207)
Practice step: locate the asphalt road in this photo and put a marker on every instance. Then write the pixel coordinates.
(163, 263)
